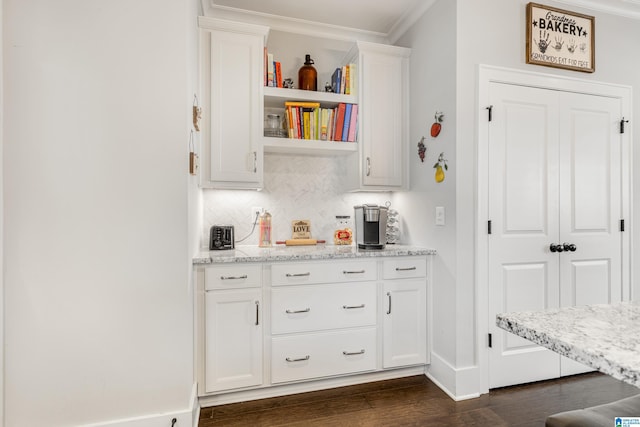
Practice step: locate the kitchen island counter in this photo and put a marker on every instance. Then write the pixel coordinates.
(605, 337)
(296, 253)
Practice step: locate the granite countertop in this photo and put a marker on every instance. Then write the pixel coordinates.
(604, 336)
(297, 253)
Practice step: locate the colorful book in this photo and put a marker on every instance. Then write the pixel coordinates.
(353, 78)
(330, 124)
(324, 119)
(353, 124)
(270, 70)
(335, 80)
(302, 104)
(342, 81)
(307, 123)
(347, 120)
(278, 68)
(347, 79)
(290, 121)
(265, 69)
(337, 133)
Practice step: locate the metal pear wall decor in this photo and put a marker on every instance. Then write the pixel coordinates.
(560, 38)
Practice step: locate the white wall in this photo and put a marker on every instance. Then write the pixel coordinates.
(1, 223)
(433, 88)
(491, 32)
(96, 276)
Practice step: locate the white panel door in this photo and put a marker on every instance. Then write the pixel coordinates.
(590, 204)
(554, 179)
(523, 193)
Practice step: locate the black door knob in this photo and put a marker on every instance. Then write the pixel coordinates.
(569, 247)
(556, 248)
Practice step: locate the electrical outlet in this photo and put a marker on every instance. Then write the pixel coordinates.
(255, 211)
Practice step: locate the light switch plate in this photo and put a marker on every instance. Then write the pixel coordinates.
(440, 217)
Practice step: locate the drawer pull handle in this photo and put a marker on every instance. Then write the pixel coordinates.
(233, 277)
(298, 274)
(257, 313)
(306, 310)
(389, 296)
(301, 359)
(353, 272)
(353, 353)
(405, 269)
(349, 307)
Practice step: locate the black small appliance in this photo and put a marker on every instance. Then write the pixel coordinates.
(221, 237)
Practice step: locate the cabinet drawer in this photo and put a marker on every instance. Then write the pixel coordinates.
(400, 268)
(300, 357)
(301, 273)
(233, 276)
(320, 307)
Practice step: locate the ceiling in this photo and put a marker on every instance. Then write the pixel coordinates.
(384, 16)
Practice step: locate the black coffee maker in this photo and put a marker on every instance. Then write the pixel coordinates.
(371, 226)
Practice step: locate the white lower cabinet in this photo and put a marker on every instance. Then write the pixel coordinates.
(405, 323)
(233, 353)
(405, 308)
(321, 319)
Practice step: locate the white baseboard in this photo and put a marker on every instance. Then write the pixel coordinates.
(458, 383)
(303, 387)
(184, 418)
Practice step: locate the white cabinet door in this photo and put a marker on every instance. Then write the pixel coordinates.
(233, 339)
(232, 155)
(383, 115)
(405, 323)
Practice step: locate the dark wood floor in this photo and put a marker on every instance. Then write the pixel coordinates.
(416, 401)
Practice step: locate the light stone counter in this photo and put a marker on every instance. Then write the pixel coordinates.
(605, 337)
(297, 253)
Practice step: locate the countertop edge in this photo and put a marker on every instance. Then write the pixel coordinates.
(249, 254)
(552, 340)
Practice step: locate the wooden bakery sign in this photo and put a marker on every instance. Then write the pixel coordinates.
(560, 38)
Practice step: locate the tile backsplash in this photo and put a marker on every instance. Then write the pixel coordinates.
(295, 187)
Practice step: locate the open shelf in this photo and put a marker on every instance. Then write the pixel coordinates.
(308, 146)
(276, 96)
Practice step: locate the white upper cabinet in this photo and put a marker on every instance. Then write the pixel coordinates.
(232, 81)
(235, 102)
(384, 124)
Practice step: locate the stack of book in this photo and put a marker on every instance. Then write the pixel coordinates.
(272, 70)
(343, 80)
(307, 120)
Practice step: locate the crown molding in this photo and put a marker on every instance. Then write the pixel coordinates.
(606, 7)
(409, 18)
(291, 25)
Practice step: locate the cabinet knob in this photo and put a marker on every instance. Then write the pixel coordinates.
(569, 247)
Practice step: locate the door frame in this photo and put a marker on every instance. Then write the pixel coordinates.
(490, 74)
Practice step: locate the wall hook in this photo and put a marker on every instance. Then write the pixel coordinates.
(197, 113)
